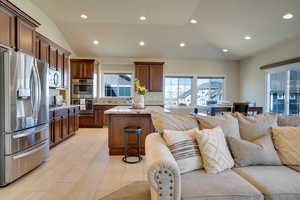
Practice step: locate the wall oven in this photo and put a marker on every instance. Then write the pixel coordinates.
(82, 88)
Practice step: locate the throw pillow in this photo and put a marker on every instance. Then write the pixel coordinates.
(229, 124)
(172, 121)
(286, 141)
(252, 127)
(258, 152)
(288, 120)
(184, 148)
(214, 151)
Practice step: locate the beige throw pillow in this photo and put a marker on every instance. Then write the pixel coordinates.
(258, 152)
(287, 142)
(229, 124)
(252, 127)
(172, 121)
(184, 148)
(214, 151)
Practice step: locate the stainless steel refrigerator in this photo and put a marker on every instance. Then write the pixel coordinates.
(24, 114)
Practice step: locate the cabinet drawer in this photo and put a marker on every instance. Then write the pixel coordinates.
(51, 115)
(61, 113)
(71, 111)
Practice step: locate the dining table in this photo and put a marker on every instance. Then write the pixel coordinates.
(214, 109)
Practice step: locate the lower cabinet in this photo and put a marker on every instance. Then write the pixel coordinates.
(62, 124)
(100, 119)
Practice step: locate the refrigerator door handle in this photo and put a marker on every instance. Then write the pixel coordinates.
(30, 152)
(36, 92)
(30, 133)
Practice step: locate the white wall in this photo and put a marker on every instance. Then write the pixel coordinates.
(229, 69)
(48, 28)
(252, 79)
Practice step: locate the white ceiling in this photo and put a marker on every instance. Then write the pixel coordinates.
(221, 24)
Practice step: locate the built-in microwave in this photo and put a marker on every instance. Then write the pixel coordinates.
(82, 88)
(54, 78)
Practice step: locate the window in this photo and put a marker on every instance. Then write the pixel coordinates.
(209, 89)
(284, 92)
(178, 91)
(117, 85)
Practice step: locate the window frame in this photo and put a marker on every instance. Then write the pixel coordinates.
(211, 77)
(179, 76)
(116, 73)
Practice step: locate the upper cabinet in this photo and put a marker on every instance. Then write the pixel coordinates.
(83, 68)
(150, 74)
(17, 28)
(7, 31)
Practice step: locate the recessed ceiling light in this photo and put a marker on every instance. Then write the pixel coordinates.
(247, 37)
(288, 16)
(142, 18)
(83, 16)
(193, 21)
(182, 44)
(142, 43)
(96, 42)
(225, 50)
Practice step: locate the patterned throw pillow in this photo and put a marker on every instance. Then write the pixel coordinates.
(258, 152)
(286, 141)
(214, 151)
(184, 148)
(172, 121)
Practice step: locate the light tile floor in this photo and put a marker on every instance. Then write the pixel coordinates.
(78, 169)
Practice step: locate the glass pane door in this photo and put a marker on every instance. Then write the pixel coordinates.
(294, 92)
(277, 91)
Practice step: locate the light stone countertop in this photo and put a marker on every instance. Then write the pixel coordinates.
(129, 110)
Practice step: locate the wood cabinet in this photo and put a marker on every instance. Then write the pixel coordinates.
(17, 28)
(7, 31)
(44, 49)
(53, 57)
(62, 124)
(100, 119)
(66, 71)
(150, 74)
(117, 123)
(25, 37)
(83, 68)
(76, 118)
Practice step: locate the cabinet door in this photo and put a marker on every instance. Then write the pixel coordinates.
(7, 30)
(25, 37)
(87, 70)
(71, 124)
(98, 117)
(60, 66)
(76, 122)
(37, 47)
(156, 78)
(51, 133)
(142, 74)
(65, 127)
(76, 70)
(58, 130)
(66, 72)
(53, 57)
(44, 51)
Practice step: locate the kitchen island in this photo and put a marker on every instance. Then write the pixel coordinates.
(123, 116)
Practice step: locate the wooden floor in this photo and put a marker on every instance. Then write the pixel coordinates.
(78, 169)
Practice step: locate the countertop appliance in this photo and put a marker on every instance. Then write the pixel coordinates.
(54, 78)
(24, 114)
(83, 94)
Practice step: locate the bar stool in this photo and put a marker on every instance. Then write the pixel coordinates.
(137, 131)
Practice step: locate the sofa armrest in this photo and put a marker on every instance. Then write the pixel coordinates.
(162, 170)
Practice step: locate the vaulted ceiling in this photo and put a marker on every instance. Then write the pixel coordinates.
(221, 24)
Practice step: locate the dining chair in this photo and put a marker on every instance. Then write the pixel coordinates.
(240, 107)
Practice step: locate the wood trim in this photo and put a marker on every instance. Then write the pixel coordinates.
(278, 64)
(149, 63)
(84, 60)
(51, 43)
(18, 12)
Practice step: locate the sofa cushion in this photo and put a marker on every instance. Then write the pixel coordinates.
(184, 148)
(227, 185)
(172, 121)
(258, 152)
(286, 141)
(288, 120)
(229, 124)
(214, 150)
(275, 182)
(252, 127)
